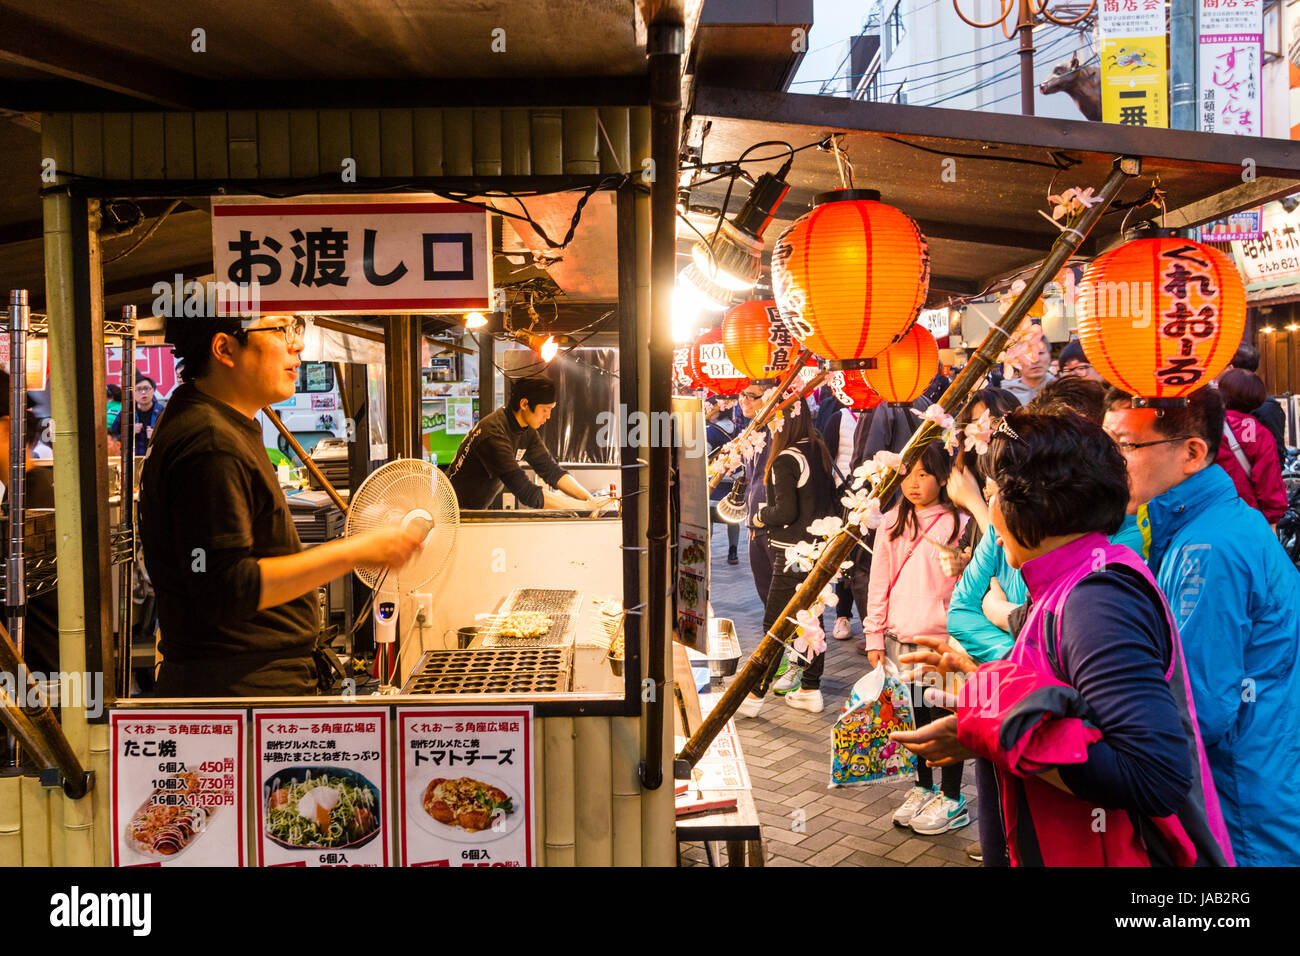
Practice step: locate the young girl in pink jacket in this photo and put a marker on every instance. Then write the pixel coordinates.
(908, 598)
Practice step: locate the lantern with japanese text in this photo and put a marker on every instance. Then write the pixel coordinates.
(757, 341)
(1160, 316)
(850, 275)
(711, 367)
(852, 389)
(681, 371)
(902, 371)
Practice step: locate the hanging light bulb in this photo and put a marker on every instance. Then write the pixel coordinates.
(736, 259)
(546, 346)
(706, 293)
(475, 320)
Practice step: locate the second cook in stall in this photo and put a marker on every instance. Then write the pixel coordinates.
(236, 591)
(488, 458)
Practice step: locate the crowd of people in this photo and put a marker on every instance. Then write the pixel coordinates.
(1111, 573)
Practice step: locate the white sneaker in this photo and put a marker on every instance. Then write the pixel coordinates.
(843, 629)
(750, 706)
(917, 798)
(809, 700)
(941, 815)
(788, 681)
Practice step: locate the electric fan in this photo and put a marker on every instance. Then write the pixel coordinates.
(408, 493)
(732, 509)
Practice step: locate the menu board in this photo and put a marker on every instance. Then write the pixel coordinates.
(177, 783)
(322, 787)
(693, 526)
(465, 786)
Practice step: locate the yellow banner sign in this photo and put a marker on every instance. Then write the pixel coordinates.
(1134, 81)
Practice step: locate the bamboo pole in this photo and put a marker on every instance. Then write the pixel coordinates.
(560, 786)
(539, 793)
(11, 821)
(49, 734)
(305, 458)
(594, 785)
(102, 807)
(625, 810)
(35, 821)
(837, 550)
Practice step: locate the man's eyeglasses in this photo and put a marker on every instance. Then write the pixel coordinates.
(1127, 446)
(292, 331)
(749, 395)
(1079, 368)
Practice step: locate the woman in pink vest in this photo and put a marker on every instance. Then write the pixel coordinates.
(1088, 720)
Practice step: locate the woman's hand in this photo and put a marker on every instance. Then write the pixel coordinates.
(963, 489)
(936, 743)
(875, 658)
(954, 563)
(943, 659)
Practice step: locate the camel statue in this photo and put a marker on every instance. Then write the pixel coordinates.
(1082, 83)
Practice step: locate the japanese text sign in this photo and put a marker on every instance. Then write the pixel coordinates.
(466, 786)
(1192, 314)
(368, 254)
(1231, 61)
(1274, 258)
(323, 797)
(1134, 83)
(178, 784)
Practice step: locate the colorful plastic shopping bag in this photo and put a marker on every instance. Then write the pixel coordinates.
(861, 751)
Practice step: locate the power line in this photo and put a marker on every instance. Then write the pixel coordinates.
(1001, 75)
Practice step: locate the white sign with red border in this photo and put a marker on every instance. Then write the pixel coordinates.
(177, 780)
(363, 255)
(465, 787)
(322, 787)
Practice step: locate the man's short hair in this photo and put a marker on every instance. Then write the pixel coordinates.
(146, 378)
(1061, 475)
(1246, 357)
(1242, 391)
(1080, 395)
(1072, 351)
(535, 388)
(191, 340)
(1201, 417)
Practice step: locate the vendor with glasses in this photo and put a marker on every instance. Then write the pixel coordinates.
(236, 592)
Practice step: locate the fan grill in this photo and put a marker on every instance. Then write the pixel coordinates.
(391, 493)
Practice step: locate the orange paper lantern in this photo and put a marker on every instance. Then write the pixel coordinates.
(756, 340)
(852, 389)
(904, 369)
(1162, 316)
(711, 367)
(850, 275)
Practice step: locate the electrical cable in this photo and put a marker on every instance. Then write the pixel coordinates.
(1063, 161)
(148, 233)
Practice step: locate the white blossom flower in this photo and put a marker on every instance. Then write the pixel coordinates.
(826, 527)
(936, 414)
(979, 433)
(811, 631)
(890, 460)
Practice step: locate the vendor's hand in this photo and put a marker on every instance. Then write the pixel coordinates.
(963, 488)
(390, 547)
(954, 563)
(936, 743)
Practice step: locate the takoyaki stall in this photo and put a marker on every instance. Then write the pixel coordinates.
(511, 696)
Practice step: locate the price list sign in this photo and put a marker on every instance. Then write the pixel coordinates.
(322, 787)
(177, 781)
(466, 786)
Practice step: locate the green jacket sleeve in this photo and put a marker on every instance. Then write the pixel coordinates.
(983, 640)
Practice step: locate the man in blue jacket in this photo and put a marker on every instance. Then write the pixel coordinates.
(1236, 599)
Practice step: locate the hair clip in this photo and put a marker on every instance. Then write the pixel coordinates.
(1004, 429)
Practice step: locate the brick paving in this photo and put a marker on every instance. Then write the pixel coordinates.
(787, 752)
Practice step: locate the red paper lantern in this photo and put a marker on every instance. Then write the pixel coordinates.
(904, 369)
(850, 275)
(852, 389)
(1161, 317)
(711, 367)
(757, 341)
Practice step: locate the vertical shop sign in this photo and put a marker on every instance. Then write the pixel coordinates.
(1231, 60)
(322, 787)
(691, 452)
(466, 786)
(1134, 73)
(177, 783)
(1274, 258)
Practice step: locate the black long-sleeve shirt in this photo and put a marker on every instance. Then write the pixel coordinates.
(488, 460)
(1115, 648)
(793, 489)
